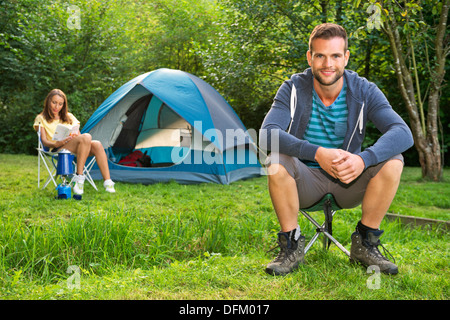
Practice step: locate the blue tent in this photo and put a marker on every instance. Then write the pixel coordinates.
(190, 132)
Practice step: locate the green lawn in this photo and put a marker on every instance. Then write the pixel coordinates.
(428, 200)
(170, 241)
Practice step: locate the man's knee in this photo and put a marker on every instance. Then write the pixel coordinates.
(391, 170)
(276, 171)
(276, 165)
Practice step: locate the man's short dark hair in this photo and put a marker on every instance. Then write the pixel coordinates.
(328, 31)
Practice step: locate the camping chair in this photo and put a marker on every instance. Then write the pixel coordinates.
(47, 156)
(329, 206)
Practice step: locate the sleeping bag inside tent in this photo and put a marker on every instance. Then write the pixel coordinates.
(184, 127)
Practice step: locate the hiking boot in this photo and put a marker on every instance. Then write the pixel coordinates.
(291, 255)
(365, 252)
(78, 186)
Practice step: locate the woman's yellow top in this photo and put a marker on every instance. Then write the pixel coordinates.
(50, 128)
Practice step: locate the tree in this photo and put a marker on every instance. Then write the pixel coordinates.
(50, 44)
(168, 33)
(264, 42)
(419, 45)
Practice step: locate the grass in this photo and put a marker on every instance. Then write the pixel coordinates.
(418, 198)
(207, 241)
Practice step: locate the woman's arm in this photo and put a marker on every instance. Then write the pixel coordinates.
(50, 143)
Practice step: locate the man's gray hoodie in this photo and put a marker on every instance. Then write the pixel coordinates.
(365, 102)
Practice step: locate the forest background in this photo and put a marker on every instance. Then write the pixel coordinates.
(245, 49)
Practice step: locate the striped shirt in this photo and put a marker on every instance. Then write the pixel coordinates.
(327, 125)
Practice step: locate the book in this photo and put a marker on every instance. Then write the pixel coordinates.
(63, 131)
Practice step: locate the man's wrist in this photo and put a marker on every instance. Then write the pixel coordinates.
(364, 163)
(318, 153)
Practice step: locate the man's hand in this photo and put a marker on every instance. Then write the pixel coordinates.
(325, 157)
(347, 167)
(340, 164)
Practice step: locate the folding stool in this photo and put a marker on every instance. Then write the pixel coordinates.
(329, 207)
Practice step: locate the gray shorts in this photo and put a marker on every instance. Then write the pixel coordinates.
(313, 184)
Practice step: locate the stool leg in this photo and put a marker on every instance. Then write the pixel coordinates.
(310, 243)
(340, 246)
(321, 229)
(328, 212)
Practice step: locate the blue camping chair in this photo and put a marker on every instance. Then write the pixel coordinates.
(49, 157)
(329, 207)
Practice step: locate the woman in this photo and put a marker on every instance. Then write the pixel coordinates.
(56, 112)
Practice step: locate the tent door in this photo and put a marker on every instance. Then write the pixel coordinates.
(127, 137)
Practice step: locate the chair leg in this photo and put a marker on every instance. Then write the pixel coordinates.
(328, 212)
(86, 170)
(310, 243)
(340, 246)
(51, 173)
(319, 230)
(51, 178)
(39, 171)
(322, 229)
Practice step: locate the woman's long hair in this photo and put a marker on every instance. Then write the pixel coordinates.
(63, 114)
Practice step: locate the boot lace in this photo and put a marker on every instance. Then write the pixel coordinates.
(377, 252)
(285, 252)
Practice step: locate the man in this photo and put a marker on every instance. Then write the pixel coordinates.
(319, 151)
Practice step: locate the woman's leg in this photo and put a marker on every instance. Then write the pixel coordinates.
(81, 147)
(102, 162)
(100, 155)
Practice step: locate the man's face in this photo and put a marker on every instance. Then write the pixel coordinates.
(328, 59)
